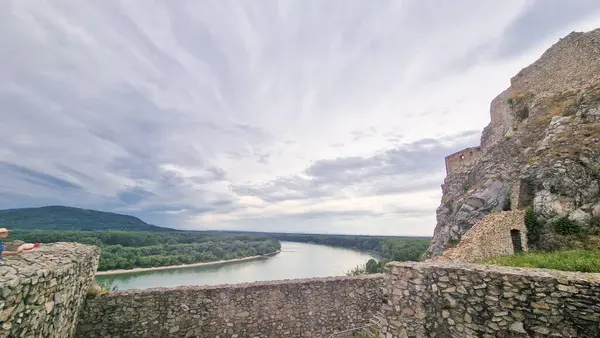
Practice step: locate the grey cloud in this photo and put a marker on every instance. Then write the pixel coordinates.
(17, 172)
(306, 222)
(410, 167)
(411, 212)
(340, 215)
(358, 135)
(542, 19)
(213, 174)
(97, 96)
(133, 195)
(405, 184)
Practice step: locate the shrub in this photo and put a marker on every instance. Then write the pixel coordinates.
(570, 109)
(533, 226)
(372, 266)
(357, 271)
(564, 226)
(594, 229)
(595, 221)
(372, 333)
(550, 241)
(507, 206)
(452, 242)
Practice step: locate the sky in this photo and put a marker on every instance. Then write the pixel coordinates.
(322, 116)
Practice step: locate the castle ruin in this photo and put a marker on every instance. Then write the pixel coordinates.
(409, 300)
(539, 150)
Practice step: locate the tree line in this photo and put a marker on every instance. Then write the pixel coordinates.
(143, 249)
(128, 242)
(399, 249)
(389, 248)
(128, 249)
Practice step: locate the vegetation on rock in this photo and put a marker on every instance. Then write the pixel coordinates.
(533, 227)
(562, 225)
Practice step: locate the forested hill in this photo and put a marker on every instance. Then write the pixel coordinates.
(69, 218)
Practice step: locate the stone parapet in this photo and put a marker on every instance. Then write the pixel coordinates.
(463, 158)
(314, 307)
(468, 300)
(42, 292)
(572, 63)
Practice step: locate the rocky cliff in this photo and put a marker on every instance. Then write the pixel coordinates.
(541, 148)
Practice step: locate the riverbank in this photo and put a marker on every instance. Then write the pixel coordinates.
(169, 267)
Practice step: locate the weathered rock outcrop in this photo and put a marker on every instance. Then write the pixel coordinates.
(541, 148)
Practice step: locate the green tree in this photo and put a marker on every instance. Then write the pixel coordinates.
(372, 266)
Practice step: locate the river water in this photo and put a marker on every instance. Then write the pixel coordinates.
(296, 260)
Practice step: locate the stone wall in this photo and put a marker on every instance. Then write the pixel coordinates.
(488, 238)
(467, 300)
(42, 292)
(570, 64)
(462, 158)
(290, 308)
(501, 121)
(573, 63)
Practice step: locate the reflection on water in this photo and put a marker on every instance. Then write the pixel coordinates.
(297, 260)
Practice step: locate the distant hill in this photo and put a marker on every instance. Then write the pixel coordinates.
(69, 218)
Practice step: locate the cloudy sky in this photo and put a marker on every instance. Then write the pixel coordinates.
(329, 116)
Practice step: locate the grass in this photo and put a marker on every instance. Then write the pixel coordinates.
(371, 334)
(568, 260)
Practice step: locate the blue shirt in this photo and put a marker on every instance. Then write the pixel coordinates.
(1, 247)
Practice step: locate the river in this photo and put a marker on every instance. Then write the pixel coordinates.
(296, 260)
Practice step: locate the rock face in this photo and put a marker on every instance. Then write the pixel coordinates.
(541, 148)
(314, 307)
(449, 300)
(43, 291)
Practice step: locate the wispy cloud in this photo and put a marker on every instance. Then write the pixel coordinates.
(290, 115)
(402, 169)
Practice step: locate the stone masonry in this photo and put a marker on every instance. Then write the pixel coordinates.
(42, 292)
(541, 148)
(490, 237)
(572, 63)
(291, 308)
(462, 158)
(467, 300)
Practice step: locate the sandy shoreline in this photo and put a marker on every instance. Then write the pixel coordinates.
(168, 267)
